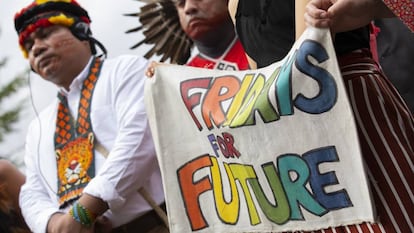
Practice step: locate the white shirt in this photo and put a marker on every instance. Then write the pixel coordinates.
(120, 124)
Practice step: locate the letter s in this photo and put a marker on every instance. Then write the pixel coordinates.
(327, 96)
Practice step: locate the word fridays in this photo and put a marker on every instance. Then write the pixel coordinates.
(252, 95)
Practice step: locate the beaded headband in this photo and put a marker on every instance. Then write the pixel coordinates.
(45, 13)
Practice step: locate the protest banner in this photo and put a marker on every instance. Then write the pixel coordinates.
(267, 150)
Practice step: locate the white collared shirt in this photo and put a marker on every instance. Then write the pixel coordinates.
(120, 124)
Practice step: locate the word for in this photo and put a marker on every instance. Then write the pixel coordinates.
(225, 144)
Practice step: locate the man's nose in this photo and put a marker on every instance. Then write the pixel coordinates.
(191, 6)
(38, 47)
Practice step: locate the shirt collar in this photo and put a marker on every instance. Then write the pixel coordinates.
(78, 81)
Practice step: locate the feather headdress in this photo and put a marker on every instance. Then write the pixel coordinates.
(161, 28)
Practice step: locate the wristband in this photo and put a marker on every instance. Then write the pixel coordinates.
(82, 215)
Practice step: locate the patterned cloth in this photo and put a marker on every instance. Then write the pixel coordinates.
(404, 9)
(74, 142)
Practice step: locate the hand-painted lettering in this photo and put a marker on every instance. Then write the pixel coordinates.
(327, 95)
(225, 101)
(284, 87)
(225, 144)
(333, 200)
(296, 182)
(190, 101)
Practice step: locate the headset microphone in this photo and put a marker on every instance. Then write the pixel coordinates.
(82, 31)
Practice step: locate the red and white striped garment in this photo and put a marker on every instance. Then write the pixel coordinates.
(386, 133)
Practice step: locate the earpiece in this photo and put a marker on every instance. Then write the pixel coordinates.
(81, 30)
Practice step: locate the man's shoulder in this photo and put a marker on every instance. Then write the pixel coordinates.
(125, 63)
(126, 58)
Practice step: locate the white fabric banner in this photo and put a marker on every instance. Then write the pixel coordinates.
(267, 150)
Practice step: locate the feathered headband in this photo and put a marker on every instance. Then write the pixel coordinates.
(45, 13)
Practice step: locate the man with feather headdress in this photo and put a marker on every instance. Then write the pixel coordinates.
(174, 26)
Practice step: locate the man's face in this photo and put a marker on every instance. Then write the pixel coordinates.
(55, 54)
(198, 17)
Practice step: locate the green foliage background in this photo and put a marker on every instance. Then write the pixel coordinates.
(11, 107)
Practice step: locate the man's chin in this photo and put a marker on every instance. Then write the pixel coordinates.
(47, 74)
(48, 70)
(198, 34)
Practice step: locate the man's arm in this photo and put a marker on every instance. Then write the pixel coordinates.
(131, 159)
(35, 202)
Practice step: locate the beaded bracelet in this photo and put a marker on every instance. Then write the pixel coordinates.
(82, 215)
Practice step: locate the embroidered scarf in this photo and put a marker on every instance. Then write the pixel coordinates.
(74, 142)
